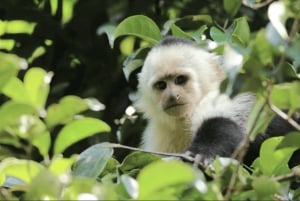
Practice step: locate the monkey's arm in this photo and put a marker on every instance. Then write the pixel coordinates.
(216, 136)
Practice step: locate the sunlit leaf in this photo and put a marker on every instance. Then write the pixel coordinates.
(9, 66)
(274, 161)
(19, 26)
(263, 48)
(160, 175)
(36, 82)
(127, 45)
(16, 90)
(39, 188)
(60, 165)
(39, 51)
(290, 140)
(7, 44)
(92, 161)
(67, 12)
(24, 170)
(34, 130)
(65, 110)
(286, 95)
(42, 141)
(10, 113)
(259, 118)
(140, 26)
(265, 188)
(54, 6)
(78, 130)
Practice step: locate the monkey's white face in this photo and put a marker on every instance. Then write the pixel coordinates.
(174, 93)
(174, 80)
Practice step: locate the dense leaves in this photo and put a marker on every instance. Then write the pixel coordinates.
(56, 54)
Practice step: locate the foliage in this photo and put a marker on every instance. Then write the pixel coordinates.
(38, 125)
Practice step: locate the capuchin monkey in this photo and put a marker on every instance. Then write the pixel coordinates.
(179, 95)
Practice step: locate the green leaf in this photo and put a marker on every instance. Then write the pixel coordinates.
(39, 188)
(291, 140)
(9, 66)
(60, 165)
(259, 118)
(155, 179)
(36, 82)
(10, 113)
(274, 161)
(286, 95)
(42, 141)
(218, 35)
(241, 32)
(293, 51)
(25, 170)
(19, 26)
(197, 35)
(137, 160)
(177, 31)
(265, 188)
(15, 89)
(65, 110)
(93, 160)
(78, 130)
(232, 6)
(262, 48)
(111, 169)
(140, 26)
(34, 131)
(109, 30)
(131, 66)
(67, 11)
(134, 61)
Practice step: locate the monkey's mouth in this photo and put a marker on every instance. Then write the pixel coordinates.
(173, 106)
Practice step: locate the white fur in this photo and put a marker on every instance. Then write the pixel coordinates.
(168, 133)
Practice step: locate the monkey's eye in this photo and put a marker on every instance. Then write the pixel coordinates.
(161, 85)
(181, 79)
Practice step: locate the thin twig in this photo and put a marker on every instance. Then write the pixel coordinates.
(294, 174)
(179, 155)
(279, 112)
(284, 116)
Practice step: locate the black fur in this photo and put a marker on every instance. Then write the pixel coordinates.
(170, 40)
(221, 136)
(217, 136)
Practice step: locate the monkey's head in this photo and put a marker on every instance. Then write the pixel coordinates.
(175, 77)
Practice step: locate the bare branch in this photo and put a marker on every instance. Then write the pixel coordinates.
(179, 155)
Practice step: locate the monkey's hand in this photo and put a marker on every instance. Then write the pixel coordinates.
(199, 159)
